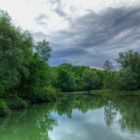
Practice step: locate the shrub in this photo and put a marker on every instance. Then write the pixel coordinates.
(4, 109)
(52, 93)
(37, 97)
(16, 102)
(49, 93)
(128, 79)
(1, 90)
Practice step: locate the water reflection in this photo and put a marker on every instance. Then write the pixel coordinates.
(110, 113)
(76, 117)
(30, 124)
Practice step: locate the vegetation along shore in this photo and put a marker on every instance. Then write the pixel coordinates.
(26, 77)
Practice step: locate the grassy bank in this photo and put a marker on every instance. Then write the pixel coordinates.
(116, 92)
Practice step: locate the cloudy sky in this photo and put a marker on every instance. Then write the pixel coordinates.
(81, 32)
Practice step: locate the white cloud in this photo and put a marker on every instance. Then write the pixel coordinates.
(60, 15)
(24, 11)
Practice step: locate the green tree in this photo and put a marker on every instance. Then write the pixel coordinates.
(128, 79)
(130, 70)
(65, 80)
(35, 86)
(15, 54)
(129, 59)
(91, 79)
(108, 66)
(43, 50)
(110, 80)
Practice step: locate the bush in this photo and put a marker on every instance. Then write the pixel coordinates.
(2, 94)
(128, 79)
(44, 94)
(16, 102)
(38, 97)
(111, 80)
(52, 93)
(4, 109)
(91, 79)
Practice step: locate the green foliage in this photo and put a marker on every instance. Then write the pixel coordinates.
(111, 80)
(43, 50)
(4, 109)
(108, 66)
(78, 78)
(91, 79)
(48, 93)
(129, 59)
(52, 93)
(128, 79)
(23, 66)
(65, 80)
(24, 70)
(130, 70)
(38, 80)
(78, 73)
(39, 74)
(16, 102)
(15, 53)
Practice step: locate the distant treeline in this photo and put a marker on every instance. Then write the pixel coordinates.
(67, 77)
(26, 77)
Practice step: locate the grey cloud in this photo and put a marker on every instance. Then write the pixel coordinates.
(93, 38)
(39, 36)
(71, 52)
(73, 8)
(58, 7)
(59, 10)
(99, 29)
(41, 19)
(41, 16)
(53, 1)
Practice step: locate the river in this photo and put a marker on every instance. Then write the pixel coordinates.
(76, 117)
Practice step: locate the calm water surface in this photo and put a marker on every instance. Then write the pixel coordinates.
(76, 117)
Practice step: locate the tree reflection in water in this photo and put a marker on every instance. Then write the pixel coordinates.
(109, 113)
(36, 122)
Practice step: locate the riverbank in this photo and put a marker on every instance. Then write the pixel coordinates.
(107, 92)
(116, 92)
(7, 105)
(82, 112)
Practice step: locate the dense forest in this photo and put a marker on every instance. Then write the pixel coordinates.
(26, 77)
